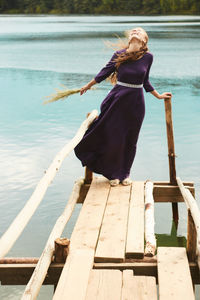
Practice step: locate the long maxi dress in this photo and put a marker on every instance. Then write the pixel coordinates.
(109, 145)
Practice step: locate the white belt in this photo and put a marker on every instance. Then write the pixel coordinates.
(130, 85)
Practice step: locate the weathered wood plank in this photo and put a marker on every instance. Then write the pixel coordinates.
(163, 192)
(138, 287)
(190, 183)
(174, 274)
(87, 227)
(19, 274)
(104, 285)
(169, 193)
(75, 275)
(135, 232)
(128, 285)
(112, 239)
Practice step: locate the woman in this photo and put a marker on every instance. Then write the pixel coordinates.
(109, 145)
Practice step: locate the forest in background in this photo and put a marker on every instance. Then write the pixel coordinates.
(112, 7)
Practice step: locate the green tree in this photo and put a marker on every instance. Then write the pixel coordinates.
(68, 6)
(164, 6)
(152, 6)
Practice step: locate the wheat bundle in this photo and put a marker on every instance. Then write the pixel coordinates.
(60, 94)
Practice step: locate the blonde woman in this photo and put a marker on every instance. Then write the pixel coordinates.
(109, 145)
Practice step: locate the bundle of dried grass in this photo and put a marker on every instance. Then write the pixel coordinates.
(60, 94)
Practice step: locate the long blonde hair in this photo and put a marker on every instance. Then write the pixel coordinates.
(126, 56)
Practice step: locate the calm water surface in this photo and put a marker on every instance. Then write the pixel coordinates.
(40, 53)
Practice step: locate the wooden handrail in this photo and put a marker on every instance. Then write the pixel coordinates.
(195, 212)
(150, 247)
(19, 223)
(39, 274)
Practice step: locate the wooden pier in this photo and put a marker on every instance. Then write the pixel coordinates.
(112, 251)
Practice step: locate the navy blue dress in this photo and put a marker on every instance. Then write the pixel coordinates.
(109, 145)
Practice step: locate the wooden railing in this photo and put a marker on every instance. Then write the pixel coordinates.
(39, 274)
(193, 236)
(19, 223)
(40, 271)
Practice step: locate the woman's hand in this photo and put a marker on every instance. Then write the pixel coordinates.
(87, 86)
(165, 95)
(84, 89)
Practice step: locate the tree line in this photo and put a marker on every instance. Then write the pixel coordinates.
(114, 7)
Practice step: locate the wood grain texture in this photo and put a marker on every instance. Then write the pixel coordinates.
(135, 232)
(174, 276)
(138, 287)
(74, 278)
(112, 239)
(104, 285)
(86, 230)
(167, 193)
(83, 243)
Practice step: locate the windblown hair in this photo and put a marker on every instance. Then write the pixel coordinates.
(126, 56)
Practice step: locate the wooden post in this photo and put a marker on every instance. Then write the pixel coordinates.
(171, 153)
(88, 172)
(61, 250)
(191, 239)
(88, 176)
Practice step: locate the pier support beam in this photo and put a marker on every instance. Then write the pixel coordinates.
(171, 153)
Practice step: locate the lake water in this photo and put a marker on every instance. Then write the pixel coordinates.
(40, 53)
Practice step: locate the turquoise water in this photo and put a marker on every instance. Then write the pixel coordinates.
(40, 53)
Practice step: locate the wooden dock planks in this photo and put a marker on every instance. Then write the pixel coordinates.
(104, 285)
(112, 239)
(83, 243)
(74, 278)
(138, 287)
(86, 230)
(135, 232)
(174, 276)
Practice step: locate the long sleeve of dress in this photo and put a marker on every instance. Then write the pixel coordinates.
(107, 70)
(147, 85)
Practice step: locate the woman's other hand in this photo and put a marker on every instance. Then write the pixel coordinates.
(165, 95)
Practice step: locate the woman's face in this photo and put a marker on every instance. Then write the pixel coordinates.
(137, 33)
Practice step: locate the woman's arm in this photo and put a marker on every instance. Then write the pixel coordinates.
(164, 95)
(87, 86)
(103, 74)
